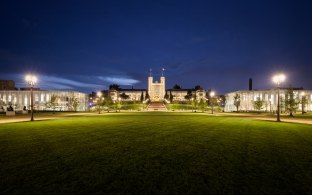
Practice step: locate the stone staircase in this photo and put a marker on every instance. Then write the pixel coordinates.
(156, 106)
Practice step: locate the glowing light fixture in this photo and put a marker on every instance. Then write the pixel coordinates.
(31, 81)
(277, 79)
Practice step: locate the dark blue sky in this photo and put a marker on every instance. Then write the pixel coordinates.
(87, 45)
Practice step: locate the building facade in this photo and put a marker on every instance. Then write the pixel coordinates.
(269, 98)
(179, 95)
(20, 99)
(156, 90)
(133, 94)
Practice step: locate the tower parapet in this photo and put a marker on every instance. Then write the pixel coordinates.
(156, 90)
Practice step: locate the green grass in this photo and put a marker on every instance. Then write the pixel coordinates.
(155, 153)
(174, 106)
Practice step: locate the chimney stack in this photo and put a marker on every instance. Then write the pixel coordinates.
(250, 84)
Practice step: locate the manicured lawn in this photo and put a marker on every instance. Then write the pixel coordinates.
(151, 153)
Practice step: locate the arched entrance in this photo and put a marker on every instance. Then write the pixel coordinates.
(156, 98)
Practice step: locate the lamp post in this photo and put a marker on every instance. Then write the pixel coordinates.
(31, 81)
(99, 94)
(212, 93)
(277, 79)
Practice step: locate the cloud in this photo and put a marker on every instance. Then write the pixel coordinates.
(69, 83)
(119, 80)
(53, 82)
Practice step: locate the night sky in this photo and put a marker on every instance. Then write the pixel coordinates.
(88, 45)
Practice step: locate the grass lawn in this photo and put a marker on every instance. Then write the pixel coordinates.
(155, 153)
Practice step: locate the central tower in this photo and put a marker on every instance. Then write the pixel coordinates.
(156, 90)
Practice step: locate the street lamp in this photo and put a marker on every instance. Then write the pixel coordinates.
(277, 79)
(212, 93)
(31, 81)
(99, 94)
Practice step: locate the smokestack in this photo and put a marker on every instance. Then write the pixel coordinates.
(250, 84)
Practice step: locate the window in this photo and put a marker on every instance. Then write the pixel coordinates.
(36, 97)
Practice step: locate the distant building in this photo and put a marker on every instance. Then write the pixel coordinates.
(133, 94)
(7, 85)
(20, 99)
(156, 91)
(269, 97)
(181, 95)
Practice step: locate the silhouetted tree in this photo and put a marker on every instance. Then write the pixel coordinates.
(142, 97)
(291, 104)
(114, 86)
(222, 101)
(188, 95)
(171, 97)
(202, 105)
(147, 95)
(258, 104)
(73, 103)
(304, 102)
(124, 96)
(176, 86)
(52, 103)
(166, 96)
(197, 87)
(237, 101)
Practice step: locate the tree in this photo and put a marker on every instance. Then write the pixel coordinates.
(147, 95)
(188, 95)
(118, 106)
(52, 103)
(114, 87)
(176, 86)
(291, 104)
(124, 96)
(222, 101)
(166, 95)
(258, 104)
(202, 105)
(237, 101)
(213, 101)
(194, 103)
(197, 87)
(2, 104)
(108, 102)
(170, 97)
(73, 103)
(142, 97)
(99, 103)
(304, 102)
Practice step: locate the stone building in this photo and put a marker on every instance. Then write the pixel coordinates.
(156, 90)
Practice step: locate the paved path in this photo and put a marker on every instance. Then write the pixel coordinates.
(25, 118)
(266, 118)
